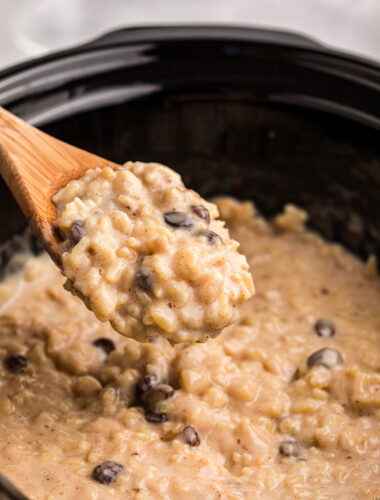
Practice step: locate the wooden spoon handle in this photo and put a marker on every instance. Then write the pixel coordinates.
(35, 166)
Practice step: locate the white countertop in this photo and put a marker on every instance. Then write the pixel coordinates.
(33, 27)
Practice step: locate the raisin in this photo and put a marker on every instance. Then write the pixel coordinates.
(145, 384)
(15, 363)
(327, 357)
(290, 448)
(211, 237)
(158, 393)
(156, 339)
(104, 344)
(156, 418)
(179, 219)
(202, 212)
(191, 436)
(144, 279)
(77, 231)
(106, 472)
(324, 328)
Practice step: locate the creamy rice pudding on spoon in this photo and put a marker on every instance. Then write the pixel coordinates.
(149, 255)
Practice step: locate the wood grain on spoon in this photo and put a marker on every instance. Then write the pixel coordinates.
(35, 166)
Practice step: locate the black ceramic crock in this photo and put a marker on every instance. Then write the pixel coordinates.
(262, 115)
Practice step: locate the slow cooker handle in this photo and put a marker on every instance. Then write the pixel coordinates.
(218, 33)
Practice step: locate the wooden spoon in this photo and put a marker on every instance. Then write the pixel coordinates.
(35, 166)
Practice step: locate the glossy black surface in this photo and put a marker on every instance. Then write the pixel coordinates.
(256, 114)
(261, 115)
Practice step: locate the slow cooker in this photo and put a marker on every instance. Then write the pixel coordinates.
(256, 114)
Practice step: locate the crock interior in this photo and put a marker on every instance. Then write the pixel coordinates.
(266, 153)
(271, 154)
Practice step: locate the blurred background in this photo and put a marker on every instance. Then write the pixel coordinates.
(29, 28)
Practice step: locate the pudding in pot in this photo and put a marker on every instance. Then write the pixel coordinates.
(285, 403)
